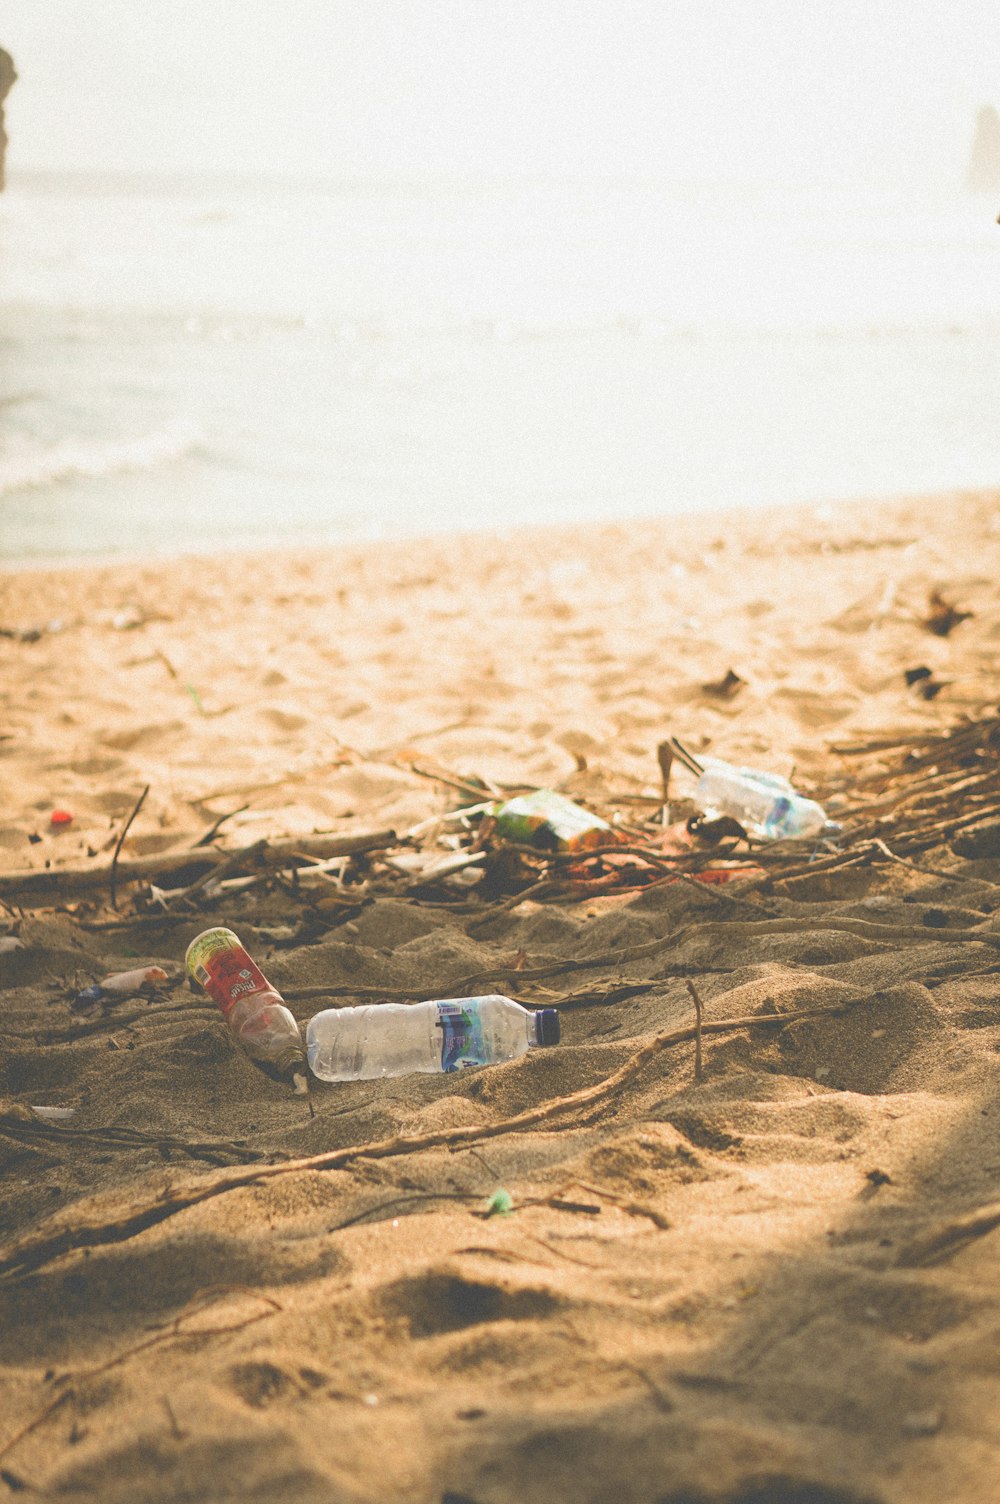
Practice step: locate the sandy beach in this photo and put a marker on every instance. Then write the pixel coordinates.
(770, 1285)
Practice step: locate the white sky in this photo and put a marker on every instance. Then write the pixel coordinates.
(732, 89)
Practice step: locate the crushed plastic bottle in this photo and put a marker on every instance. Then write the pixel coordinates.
(119, 984)
(765, 804)
(550, 821)
(395, 1039)
(253, 1009)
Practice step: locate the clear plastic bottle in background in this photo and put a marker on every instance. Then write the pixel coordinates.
(766, 805)
(252, 1008)
(395, 1039)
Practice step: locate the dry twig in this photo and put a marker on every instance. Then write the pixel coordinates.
(194, 1307)
(697, 1028)
(121, 841)
(292, 853)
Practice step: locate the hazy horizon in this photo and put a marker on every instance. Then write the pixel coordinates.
(335, 269)
(706, 90)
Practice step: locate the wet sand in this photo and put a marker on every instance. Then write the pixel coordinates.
(757, 1288)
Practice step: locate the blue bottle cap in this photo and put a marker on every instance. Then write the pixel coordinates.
(547, 1026)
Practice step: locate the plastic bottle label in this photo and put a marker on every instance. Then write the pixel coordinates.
(228, 974)
(776, 815)
(547, 819)
(462, 1037)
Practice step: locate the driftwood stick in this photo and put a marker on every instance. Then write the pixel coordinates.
(124, 1138)
(296, 852)
(42, 1248)
(246, 856)
(697, 1028)
(453, 780)
(950, 877)
(121, 841)
(647, 854)
(844, 862)
(216, 825)
(904, 739)
(665, 758)
(932, 835)
(32, 1425)
(937, 788)
(780, 864)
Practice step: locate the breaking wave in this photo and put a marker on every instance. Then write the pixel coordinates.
(28, 466)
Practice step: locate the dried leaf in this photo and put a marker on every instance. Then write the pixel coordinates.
(923, 683)
(944, 617)
(725, 688)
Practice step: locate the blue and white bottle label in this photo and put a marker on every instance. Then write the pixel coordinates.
(462, 1036)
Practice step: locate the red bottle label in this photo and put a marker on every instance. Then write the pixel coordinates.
(229, 975)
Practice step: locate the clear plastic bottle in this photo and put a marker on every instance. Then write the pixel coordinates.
(766, 805)
(394, 1039)
(252, 1008)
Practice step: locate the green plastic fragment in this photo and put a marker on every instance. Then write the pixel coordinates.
(500, 1204)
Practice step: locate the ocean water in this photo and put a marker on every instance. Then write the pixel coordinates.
(192, 365)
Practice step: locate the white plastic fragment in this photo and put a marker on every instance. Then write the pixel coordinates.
(127, 982)
(120, 984)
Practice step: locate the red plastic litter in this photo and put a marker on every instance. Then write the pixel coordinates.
(60, 817)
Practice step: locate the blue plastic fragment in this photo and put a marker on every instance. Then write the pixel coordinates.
(92, 994)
